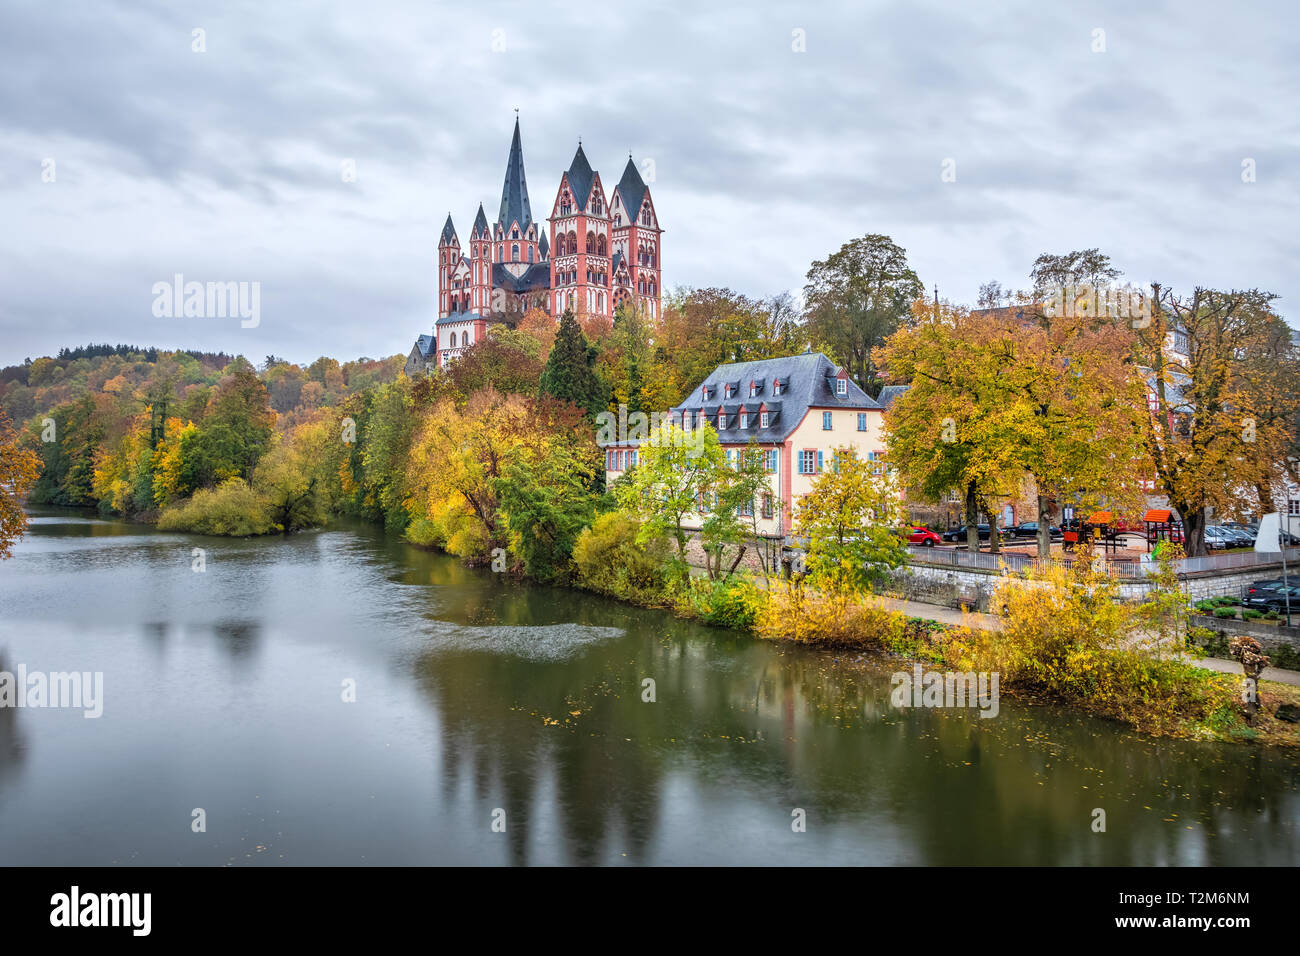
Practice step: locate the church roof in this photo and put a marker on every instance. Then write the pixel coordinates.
(480, 223)
(632, 188)
(544, 245)
(536, 276)
(449, 232)
(514, 194)
(580, 174)
(424, 343)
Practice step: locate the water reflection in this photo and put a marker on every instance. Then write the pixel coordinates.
(477, 693)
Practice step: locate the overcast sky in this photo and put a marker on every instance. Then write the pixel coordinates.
(226, 165)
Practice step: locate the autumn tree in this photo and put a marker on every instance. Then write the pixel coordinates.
(855, 299)
(19, 469)
(1224, 404)
(851, 517)
(941, 430)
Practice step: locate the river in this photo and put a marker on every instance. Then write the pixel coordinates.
(340, 697)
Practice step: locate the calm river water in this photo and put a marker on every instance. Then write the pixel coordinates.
(479, 699)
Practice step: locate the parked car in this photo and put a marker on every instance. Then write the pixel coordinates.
(1270, 585)
(1274, 599)
(959, 534)
(1243, 531)
(1029, 529)
(924, 537)
(1235, 537)
(1216, 540)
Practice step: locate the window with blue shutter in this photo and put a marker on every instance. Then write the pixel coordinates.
(826, 421)
(862, 421)
(819, 463)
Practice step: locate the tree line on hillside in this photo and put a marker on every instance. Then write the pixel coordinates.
(497, 451)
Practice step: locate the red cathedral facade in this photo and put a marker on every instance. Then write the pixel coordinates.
(599, 251)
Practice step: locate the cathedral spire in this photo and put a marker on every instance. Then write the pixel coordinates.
(514, 195)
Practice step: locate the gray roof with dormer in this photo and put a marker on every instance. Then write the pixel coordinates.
(807, 383)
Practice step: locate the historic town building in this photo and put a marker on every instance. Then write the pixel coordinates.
(598, 252)
(798, 410)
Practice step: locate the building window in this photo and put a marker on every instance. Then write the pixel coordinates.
(609, 460)
(841, 386)
(631, 458)
(753, 389)
(777, 387)
(767, 506)
(1293, 507)
(726, 391)
(769, 461)
(744, 420)
(862, 421)
(826, 421)
(808, 462)
(514, 253)
(763, 419)
(722, 420)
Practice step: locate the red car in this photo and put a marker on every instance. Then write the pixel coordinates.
(924, 537)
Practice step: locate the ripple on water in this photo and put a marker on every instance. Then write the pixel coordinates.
(549, 642)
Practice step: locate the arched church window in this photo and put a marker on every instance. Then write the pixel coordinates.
(600, 246)
(514, 252)
(453, 340)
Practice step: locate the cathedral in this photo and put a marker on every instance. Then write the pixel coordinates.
(600, 251)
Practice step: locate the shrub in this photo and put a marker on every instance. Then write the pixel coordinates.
(608, 560)
(1250, 614)
(1225, 613)
(232, 508)
(836, 616)
(1206, 606)
(1066, 637)
(1272, 615)
(731, 602)
(1226, 601)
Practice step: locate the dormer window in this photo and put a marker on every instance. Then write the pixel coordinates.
(744, 420)
(777, 386)
(722, 420)
(763, 419)
(841, 386)
(726, 390)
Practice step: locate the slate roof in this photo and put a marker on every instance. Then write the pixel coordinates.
(580, 175)
(514, 194)
(544, 245)
(805, 383)
(889, 394)
(424, 344)
(480, 224)
(537, 276)
(632, 188)
(459, 317)
(449, 232)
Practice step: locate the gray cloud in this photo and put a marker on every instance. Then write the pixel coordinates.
(225, 165)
